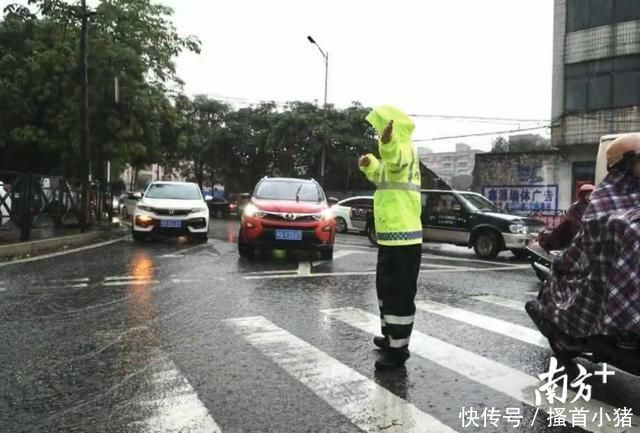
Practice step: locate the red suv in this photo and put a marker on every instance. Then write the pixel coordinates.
(287, 213)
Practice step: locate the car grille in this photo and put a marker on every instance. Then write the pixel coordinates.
(291, 217)
(171, 212)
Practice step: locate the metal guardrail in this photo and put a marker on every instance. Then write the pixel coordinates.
(31, 201)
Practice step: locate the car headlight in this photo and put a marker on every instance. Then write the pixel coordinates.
(519, 229)
(252, 211)
(198, 209)
(144, 207)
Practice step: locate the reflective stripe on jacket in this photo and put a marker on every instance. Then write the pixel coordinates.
(397, 203)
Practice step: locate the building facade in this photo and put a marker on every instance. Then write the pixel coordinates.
(455, 168)
(596, 81)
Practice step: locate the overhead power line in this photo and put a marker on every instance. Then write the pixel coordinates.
(482, 134)
(487, 119)
(479, 118)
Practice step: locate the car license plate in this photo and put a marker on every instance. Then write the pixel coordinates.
(288, 235)
(174, 224)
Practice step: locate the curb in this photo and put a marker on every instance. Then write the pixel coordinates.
(33, 248)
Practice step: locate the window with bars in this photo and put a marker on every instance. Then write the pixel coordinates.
(584, 14)
(600, 84)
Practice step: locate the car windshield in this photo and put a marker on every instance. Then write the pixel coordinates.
(300, 191)
(173, 191)
(479, 203)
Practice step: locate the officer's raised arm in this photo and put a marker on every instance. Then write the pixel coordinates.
(370, 166)
(395, 154)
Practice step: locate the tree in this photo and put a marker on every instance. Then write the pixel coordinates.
(500, 144)
(131, 39)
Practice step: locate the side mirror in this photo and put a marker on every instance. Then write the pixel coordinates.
(208, 197)
(137, 195)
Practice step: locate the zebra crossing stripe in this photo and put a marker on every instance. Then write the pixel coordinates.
(522, 333)
(503, 302)
(179, 409)
(366, 404)
(504, 379)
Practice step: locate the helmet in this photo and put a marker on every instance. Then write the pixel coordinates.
(587, 187)
(622, 148)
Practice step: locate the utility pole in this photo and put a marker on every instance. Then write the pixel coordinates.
(85, 154)
(325, 56)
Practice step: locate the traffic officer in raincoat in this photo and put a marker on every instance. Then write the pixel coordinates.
(397, 211)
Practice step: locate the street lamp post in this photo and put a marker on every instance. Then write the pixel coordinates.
(85, 156)
(325, 55)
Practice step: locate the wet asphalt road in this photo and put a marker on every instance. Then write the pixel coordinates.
(175, 337)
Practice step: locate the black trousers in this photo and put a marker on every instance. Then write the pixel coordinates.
(396, 284)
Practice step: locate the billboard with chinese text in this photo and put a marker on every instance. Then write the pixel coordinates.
(523, 199)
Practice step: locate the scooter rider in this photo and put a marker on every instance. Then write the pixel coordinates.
(594, 283)
(561, 236)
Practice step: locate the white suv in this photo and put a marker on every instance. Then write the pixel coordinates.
(171, 209)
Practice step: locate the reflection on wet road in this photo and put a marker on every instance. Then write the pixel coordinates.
(174, 337)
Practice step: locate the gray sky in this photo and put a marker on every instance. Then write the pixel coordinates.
(453, 57)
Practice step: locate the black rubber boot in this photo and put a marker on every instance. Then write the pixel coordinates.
(381, 342)
(392, 359)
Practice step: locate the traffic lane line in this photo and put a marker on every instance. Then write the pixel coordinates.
(499, 377)
(502, 327)
(366, 404)
(374, 250)
(349, 274)
(63, 253)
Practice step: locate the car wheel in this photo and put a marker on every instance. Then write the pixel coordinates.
(138, 236)
(326, 253)
(486, 245)
(341, 225)
(520, 254)
(372, 235)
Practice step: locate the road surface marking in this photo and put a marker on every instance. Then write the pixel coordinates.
(130, 283)
(179, 409)
(289, 271)
(503, 302)
(79, 286)
(464, 259)
(337, 255)
(533, 293)
(62, 253)
(166, 256)
(183, 281)
(365, 403)
(120, 277)
(348, 274)
(504, 379)
(433, 265)
(518, 332)
(304, 268)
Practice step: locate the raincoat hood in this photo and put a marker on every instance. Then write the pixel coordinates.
(380, 117)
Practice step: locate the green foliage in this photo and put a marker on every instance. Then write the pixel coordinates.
(135, 41)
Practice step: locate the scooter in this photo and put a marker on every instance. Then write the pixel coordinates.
(624, 355)
(541, 260)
